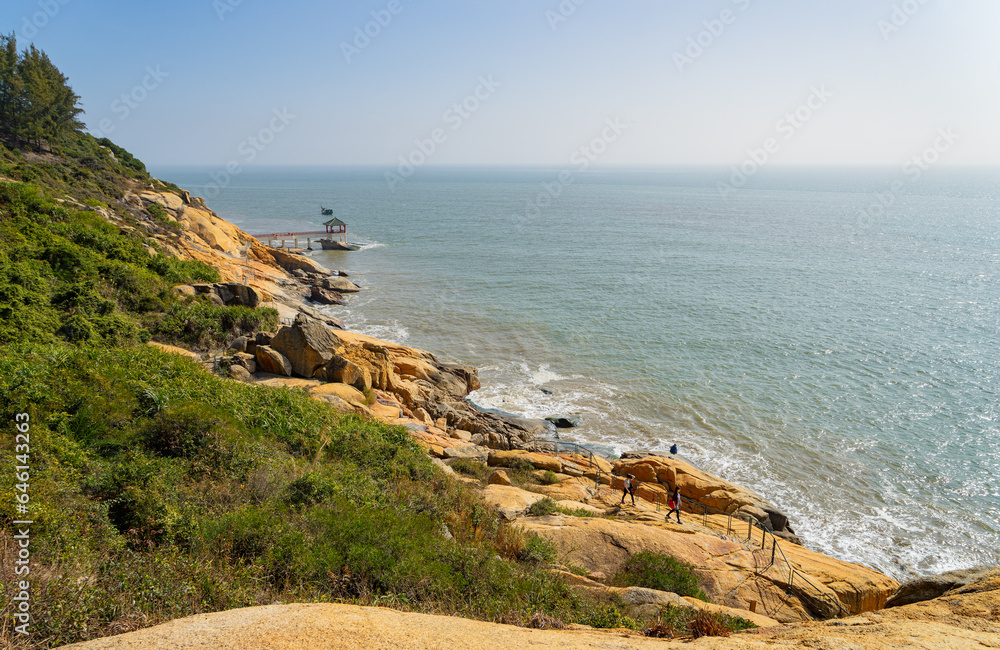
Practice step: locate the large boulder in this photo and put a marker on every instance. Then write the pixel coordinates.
(324, 297)
(498, 477)
(240, 373)
(375, 361)
(930, 587)
(308, 344)
(239, 294)
(342, 285)
(291, 261)
(511, 502)
(342, 370)
(271, 361)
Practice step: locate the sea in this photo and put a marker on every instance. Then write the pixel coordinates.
(828, 337)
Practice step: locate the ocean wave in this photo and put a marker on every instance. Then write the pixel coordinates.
(394, 332)
(516, 387)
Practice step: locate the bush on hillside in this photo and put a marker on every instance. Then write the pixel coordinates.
(164, 491)
(655, 570)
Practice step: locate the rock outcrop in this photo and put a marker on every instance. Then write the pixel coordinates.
(730, 573)
(291, 261)
(967, 620)
(930, 587)
(228, 293)
(659, 475)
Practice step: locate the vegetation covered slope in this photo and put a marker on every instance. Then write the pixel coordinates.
(77, 264)
(159, 490)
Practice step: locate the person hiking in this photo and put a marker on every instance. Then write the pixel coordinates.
(674, 503)
(628, 488)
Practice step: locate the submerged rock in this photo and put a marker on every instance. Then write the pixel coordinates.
(565, 421)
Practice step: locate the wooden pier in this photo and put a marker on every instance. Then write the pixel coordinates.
(334, 227)
(282, 237)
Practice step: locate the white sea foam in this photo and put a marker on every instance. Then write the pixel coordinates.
(393, 331)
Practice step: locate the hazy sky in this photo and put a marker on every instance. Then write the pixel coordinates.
(632, 81)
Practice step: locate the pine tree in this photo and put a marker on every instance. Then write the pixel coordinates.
(37, 104)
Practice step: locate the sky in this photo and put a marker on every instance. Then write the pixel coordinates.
(529, 82)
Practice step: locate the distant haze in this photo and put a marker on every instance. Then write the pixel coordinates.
(535, 82)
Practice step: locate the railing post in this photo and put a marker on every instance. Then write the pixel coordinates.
(774, 543)
(763, 538)
(749, 530)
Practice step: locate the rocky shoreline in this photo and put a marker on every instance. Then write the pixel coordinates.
(757, 577)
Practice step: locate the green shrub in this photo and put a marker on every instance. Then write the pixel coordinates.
(538, 550)
(577, 512)
(543, 508)
(204, 325)
(549, 478)
(673, 622)
(655, 570)
(157, 211)
(470, 467)
(521, 465)
(608, 616)
(177, 271)
(76, 329)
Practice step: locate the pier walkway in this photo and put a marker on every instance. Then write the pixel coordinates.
(282, 237)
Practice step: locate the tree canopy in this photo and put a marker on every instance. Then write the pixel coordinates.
(37, 104)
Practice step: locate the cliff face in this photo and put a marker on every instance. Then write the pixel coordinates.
(206, 237)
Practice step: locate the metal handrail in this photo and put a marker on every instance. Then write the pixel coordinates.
(579, 450)
(775, 551)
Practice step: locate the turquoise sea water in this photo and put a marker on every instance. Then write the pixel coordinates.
(818, 336)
